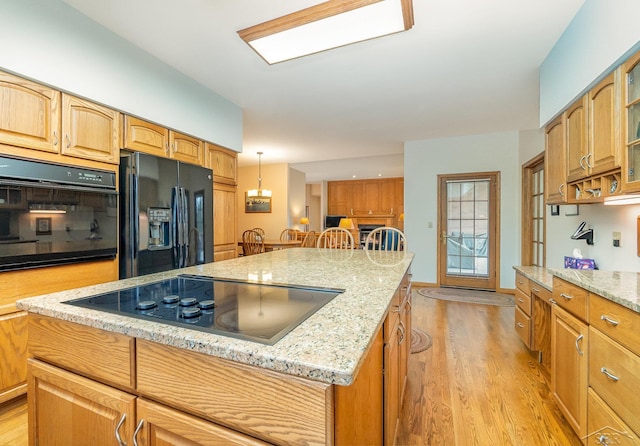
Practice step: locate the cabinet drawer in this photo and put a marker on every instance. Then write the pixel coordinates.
(92, 352)
(523, 327)
(571, 298)
(541, 292)
(523, 301)
(616, 321)
(522, 283)
(271, 406)
(604, 426)
(620, 389)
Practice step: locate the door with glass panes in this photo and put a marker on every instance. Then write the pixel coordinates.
(468, 225)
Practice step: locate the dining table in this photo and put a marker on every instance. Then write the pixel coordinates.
(273, 244)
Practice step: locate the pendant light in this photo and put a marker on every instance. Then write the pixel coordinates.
(259, 192)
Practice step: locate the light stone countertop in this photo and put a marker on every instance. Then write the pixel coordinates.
(617, 286)
(327, 347)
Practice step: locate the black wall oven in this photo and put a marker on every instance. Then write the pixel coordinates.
(53, 214)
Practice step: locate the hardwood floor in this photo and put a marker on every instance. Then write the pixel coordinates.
(13, 422)
(476, 385)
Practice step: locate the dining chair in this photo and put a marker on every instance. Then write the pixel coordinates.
(309, 240)
(260, 231)
(335, 238)
(252, 242)
(289, 234)
(386, 239)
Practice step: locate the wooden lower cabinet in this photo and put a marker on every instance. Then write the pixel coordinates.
(68, 409)
(225, 223)
(13, 355)
(392, 382)
(605, 426)
(569, 355)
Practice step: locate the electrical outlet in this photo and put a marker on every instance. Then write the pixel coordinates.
(617, 236)
(429, 224)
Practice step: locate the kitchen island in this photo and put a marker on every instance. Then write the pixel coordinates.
(322, 383)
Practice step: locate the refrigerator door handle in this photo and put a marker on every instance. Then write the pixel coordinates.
(175, 225)
(136, 221)
(185, 228)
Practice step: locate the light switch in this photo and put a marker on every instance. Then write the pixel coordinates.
(617, 236)
(430, 224)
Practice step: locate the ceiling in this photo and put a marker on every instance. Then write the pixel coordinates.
(466, 67)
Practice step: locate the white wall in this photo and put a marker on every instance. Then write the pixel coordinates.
(603, 33)
(604, 220)
(424, 160)
(297, 194)
(50, 42)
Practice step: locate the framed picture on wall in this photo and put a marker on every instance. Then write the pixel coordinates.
(43, 226)
(256, 204)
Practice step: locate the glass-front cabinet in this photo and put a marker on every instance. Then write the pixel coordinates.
(631, 100)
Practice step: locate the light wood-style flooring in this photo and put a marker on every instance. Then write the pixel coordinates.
(476, 385)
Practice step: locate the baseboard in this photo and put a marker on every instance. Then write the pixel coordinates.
(435, 285)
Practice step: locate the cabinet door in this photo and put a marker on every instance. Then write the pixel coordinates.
(163, 426)
(143, 136)
(90, 131)
(67, 409)
(555, 162)
(604, 133)
(338, 195)
(225, 227)
(186, 148)
(569, 351)
(31, 114)
(631, 117)
(223, 162)
(391, 382)
(577, 140)
(13, 355)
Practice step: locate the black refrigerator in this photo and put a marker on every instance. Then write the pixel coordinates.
(166, 211)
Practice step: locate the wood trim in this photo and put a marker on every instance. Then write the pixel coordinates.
(527, 213)
(315, 13)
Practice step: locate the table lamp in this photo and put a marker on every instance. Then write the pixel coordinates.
(346, 223)
(305, 221)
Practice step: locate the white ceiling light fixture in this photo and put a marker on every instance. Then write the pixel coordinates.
(259, 192)
(328, 25)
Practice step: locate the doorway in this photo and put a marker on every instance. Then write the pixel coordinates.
(468, 225)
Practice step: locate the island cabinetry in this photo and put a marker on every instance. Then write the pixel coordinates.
(555, 162)
(90, 131)
(31, 114)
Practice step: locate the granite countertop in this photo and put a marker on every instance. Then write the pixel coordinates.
(327, 347)
(617, 286)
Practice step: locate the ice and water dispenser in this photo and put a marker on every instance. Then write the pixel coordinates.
(159, 228)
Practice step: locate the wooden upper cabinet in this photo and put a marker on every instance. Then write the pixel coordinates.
(186, 148)
(143, 136)
(222, 161)
(29, 114)
(631, 117)
(90, 131)
(555, 162)
(338, 193)
(577, 139)
(604, 126)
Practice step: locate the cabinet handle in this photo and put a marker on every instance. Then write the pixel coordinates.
(586, 159)
(582, 165)
(578, 339)
(608, 320)
(520, 299)
(55, 138)
(402, 331)
(520, 325)
(166, 150)
(173, 147)
(136, 432)
(609, 375)
(68, 140)
(560, 189)
(396, 309)
(536, 290)
(120, 423)
(552, 301)
(566, 296)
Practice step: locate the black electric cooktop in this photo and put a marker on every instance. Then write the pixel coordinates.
(251, 311)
